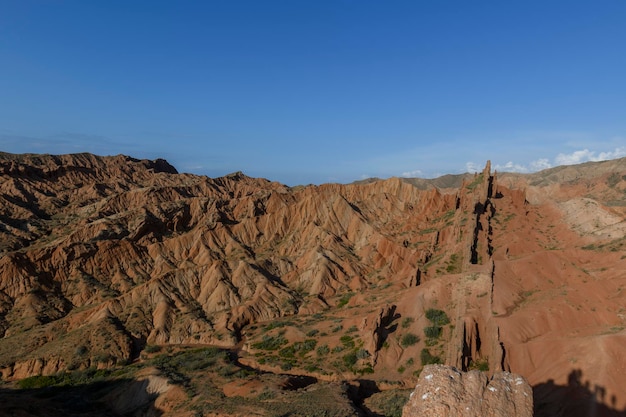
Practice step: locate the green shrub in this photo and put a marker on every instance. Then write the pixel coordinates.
(389, 403)
(365, 370)
(38, 381)
(267, 394)
(349, 359)
(152, 348)
(323, 350)
(277, 324)
(347, 341)
(344, 299)
(362, 354)
(432, 332)
(428, 359)
(481, 365)
(437, 317)
(306, 346)
(311, 368)
(409, 339)
(431, 342)
(270, 343)
(287, 352)
(454, 265)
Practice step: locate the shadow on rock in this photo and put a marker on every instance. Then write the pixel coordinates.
(128, 398)
(578, 398)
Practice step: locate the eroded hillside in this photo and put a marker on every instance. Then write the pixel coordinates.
(107, 260)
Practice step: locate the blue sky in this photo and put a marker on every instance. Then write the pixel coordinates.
(317, 91)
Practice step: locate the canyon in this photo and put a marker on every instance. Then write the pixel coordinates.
(117, 269)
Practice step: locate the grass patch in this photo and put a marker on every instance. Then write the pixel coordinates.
(270, 343)
(66, 379)
(454, 264)
(481, 365)
(432, 332)
(388, 403)
(477, 181)
(428, 359)
(437, 317)
(345, 299)
(409, 339)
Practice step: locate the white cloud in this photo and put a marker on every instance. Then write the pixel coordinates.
(511, 167)
(585, 155)
(617, 153)
(412, 174)
(576, 157)
(472, 167)
(539, 164)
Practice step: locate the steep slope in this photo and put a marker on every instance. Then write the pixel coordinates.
(104, 257)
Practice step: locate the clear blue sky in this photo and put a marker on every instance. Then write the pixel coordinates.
(316, 91)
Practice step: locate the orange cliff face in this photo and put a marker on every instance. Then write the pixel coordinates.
(103, 256)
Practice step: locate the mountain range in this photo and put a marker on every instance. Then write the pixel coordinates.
(119, 274)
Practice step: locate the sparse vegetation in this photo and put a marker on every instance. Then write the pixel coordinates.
(323, 350)
(427, 358)
(454, 264)
(613, 179)
(270, 343)
(480, 364)
(337, 328)
(432, 332)
(349, 359)
(409, 339)
(345, 299)
(152, 348)
(362, 354)
(437, 317)
(66, 379)
(476, 182)
(388, 403)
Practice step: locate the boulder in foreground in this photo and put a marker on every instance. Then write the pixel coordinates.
(445, 391)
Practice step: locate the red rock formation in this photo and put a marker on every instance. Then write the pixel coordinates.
(103, 255)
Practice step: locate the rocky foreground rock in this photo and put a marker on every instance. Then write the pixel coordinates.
(443, 391)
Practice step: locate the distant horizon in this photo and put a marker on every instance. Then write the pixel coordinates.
(317, 92)
(478, 168)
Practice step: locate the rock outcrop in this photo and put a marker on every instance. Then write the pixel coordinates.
(443, 391)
